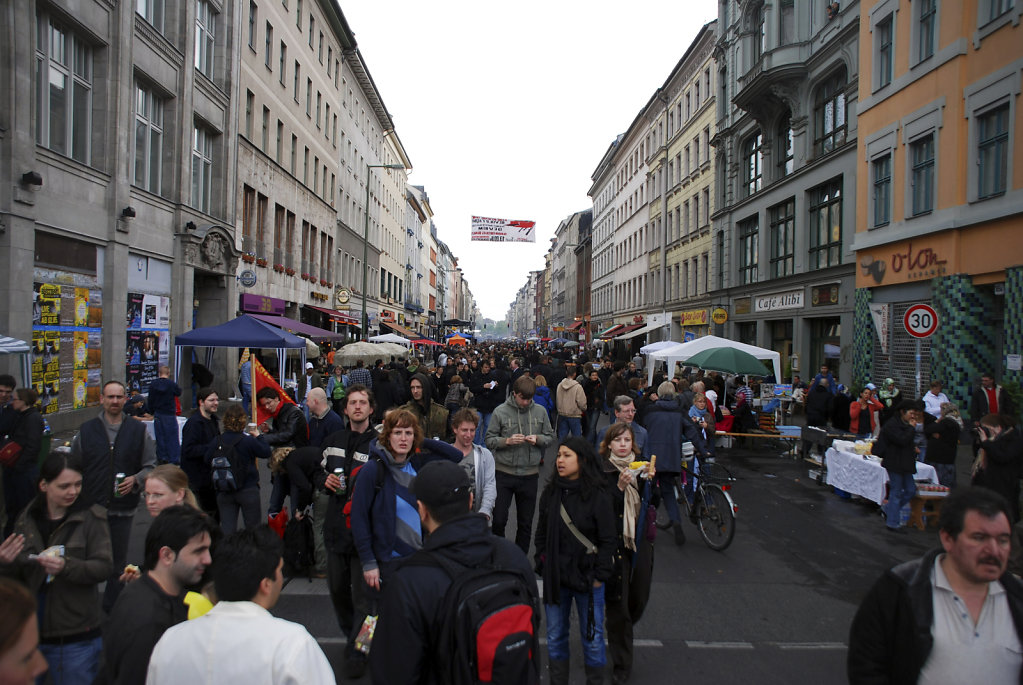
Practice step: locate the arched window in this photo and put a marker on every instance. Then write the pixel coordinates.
(829, 114)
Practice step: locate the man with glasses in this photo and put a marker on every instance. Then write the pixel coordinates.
(112, 444)
(625, 412)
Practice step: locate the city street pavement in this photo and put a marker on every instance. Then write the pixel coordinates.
(775, 607)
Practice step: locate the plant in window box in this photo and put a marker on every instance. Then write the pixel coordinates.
(279, 268)
(323, 281)
(261, 261)
(305, 277)
(248, 258)
(289, 271)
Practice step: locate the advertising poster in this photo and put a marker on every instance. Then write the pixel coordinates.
(67, 311)
(147, 339)
(488, 230)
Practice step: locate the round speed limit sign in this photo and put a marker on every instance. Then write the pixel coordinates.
(920, 321)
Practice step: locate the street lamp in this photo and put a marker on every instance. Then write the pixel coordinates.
(365, 243)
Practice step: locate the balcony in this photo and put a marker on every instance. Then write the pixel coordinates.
(413, 306)
(772, 83)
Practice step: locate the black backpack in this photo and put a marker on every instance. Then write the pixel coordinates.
(226, 471)
(489, 631)
(299, 547)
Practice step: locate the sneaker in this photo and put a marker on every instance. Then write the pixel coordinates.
(680, 535)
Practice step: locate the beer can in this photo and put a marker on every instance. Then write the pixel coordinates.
(340, 473)
(118, 479)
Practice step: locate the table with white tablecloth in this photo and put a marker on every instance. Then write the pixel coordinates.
(152, 431)
(865, 477)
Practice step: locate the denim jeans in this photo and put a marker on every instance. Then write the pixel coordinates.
(73, 663)
(666, 482)
(523, 489)
(592, 417)
(569, 425)
(901, 488)
(244, 502)
(168, 447)
(481, 428)
(559, 621)
(946, 474)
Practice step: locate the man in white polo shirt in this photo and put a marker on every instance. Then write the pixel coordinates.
(953, 616)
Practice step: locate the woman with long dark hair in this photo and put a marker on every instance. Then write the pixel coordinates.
(575, 543)
(61, 551)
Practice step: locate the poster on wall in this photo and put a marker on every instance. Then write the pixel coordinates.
(66, 359)
(147, 343)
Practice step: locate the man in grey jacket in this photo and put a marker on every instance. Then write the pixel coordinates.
(519, 431)
(478, 461)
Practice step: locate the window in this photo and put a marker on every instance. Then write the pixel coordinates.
(992, 151)
(268, 58)
(753, 163)
(294, 150)
(266, 130)
(783, 138)
(696, 211)
(64, 91)
(312, 28)
(298, 14)
(330, 60)
(282, 67)
(151, 11)
(685, 217)
(885, 51)
(298, 78)
(721, 259)
(922, 156)
(305, 167)
(706, 145)
(997, 8)
(706, 206)
(252, 25)
(829, 114)
(148, 139)
(319, 104)
(758, 27)
(250, 103)
(881, 170)
(696, 153)
(749, 250)
(783, 232)
(202, 169)
(280, 141)
(320, 49)
(925, 26)
(826, 225)
(309, 97)
(205, 33)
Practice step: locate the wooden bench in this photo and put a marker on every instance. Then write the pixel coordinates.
(918, 506)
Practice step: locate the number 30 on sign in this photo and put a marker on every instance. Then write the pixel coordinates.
(920, 321)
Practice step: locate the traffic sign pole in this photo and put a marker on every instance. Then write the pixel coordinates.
(920, 321)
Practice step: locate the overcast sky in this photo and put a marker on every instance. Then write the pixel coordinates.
(505, 109)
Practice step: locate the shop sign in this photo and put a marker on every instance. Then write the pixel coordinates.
(262, 305)
(771, 303)
(342, 297)
(824, 295)
(694, 317)
(905, 262)
(387, 316)
(247, 278)
(401, 318)
(742, 305)
(719, 315)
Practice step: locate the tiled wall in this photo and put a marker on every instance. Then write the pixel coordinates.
(863, 339)
(964, 347)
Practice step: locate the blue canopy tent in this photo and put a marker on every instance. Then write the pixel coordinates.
(245, 331)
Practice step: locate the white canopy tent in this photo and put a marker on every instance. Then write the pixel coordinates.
(683, 351)
(14, 346)
(391, 338)
(657, 346)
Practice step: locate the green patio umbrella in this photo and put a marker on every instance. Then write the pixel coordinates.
(728, 360)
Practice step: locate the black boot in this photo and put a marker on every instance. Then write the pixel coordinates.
(558, 671)
(595, 675)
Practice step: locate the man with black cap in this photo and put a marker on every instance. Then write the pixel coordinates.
(411, 614)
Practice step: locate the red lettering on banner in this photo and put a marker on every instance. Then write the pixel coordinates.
(921, 259)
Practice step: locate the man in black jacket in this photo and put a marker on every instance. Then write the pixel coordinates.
(411, 613)
(346, 449)
(177, 555)
(898, 456)
(955, 615)
(286, 427)
(201, 429)
(109, 444)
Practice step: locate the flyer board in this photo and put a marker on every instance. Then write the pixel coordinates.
(67, 354)
(147, 344)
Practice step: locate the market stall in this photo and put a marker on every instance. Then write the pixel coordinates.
(863, 475)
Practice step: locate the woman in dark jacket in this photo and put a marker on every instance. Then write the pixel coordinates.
(942, 443)
(20, 477)
(898, 456)
(818, 404)
(61, 551)
(246, 450)
(574, 571)
(1000, 460)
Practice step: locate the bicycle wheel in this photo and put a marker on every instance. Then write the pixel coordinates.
(716, 518)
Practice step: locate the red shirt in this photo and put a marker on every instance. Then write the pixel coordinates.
(992, 400)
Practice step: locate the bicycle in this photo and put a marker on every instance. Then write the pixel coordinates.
(712, 510)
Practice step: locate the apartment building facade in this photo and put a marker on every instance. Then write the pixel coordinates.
(940, 194)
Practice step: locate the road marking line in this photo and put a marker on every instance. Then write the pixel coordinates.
(700, 644)
(810, 645)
